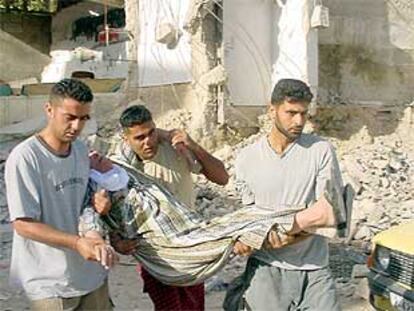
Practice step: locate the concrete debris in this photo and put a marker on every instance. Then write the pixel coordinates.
(359, 271)
(168, 34)
(85, 54)
(197, 11)
(362, 289)
(346, 289)
(178, 118)
(215, 76)
(382, 170)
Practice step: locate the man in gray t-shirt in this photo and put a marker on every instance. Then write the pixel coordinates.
(286, 169)
(46, 180)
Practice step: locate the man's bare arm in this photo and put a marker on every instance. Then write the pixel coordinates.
(319, 215)
(212, 167)
(40, 232)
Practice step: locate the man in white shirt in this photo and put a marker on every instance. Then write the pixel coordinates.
(283, 169)
(46, 180)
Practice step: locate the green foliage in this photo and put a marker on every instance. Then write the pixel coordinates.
(29, 5)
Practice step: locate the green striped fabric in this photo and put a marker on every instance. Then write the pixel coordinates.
(176, 245)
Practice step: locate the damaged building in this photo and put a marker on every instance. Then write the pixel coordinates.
(216, 59)
(208, 66)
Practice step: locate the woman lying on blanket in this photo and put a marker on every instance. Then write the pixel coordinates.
(176, 245)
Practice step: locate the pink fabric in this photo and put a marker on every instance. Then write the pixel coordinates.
(172, 298)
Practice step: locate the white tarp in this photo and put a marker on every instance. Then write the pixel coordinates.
(157, 63)
(265, 41)
(249, 49)
(297, 44)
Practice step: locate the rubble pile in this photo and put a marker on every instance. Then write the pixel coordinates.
(178, 118)
(381, 170)
(382, 175)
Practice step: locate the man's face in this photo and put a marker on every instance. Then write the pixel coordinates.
(143, 139)
(67, 118)
(289, 118)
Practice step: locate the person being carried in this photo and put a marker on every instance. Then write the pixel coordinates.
(176, 245)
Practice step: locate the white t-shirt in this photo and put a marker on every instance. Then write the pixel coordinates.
(294, 178)
(49, 188)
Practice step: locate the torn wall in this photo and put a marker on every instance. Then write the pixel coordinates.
(258, 52)
(367, 54)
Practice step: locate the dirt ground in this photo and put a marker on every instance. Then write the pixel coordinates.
(126, 291)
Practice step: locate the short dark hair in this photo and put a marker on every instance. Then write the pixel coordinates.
(70, 88)
(135, 115)
(291, 90)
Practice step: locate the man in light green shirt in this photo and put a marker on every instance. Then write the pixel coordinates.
(170, 158)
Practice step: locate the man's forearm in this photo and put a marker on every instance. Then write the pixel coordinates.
(319, 215)
(305, 220)
(213, 168)
(40, 232)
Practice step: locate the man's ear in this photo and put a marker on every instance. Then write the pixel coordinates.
(48, 108)
(271, 111)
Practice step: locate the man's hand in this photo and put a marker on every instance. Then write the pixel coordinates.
(274, 240)
(86, 247)
(186, 147)
(105, 254)
(277, 239)
(242, 249)
(180, 139)
(101, 202)
(197, 158)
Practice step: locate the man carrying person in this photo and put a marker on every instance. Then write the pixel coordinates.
(282, 169)
(46, 178)
(170, 158)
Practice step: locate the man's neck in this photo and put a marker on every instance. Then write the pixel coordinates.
(59, 147)
(278, 141)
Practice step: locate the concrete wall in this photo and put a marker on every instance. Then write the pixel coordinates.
(366, 58)
(24, 45)
(34, 30)
(14, 109)
(162, 99)
(18, 59)
(367, 53)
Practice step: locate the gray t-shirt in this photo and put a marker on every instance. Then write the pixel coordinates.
(49, 188)
(294, 178)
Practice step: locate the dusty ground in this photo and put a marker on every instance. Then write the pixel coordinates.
(126, 286)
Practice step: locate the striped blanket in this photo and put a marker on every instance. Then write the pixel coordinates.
(176, 245)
